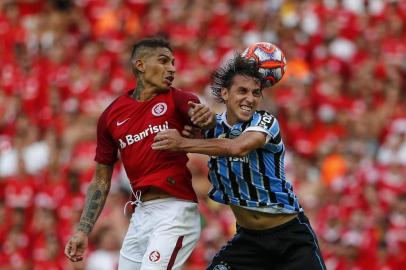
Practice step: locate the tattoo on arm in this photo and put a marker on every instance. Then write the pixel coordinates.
(95, 197)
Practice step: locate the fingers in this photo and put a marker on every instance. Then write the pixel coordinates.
(187, 134)
(72, 253)
(164, 134)
(190, 132)
(158, 137)
(164, 144)
(201, 116)
(192, 104)
(160, 145)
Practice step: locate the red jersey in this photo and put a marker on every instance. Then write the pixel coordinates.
(130, 126)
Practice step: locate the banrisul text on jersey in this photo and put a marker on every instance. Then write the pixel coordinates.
(130, 139)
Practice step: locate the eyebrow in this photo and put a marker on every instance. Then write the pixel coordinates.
(166, 56)
(245, 88)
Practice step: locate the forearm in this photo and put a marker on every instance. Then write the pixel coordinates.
(95, 198)
(212, 147)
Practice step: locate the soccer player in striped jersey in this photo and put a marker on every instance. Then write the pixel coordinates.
(247, 173)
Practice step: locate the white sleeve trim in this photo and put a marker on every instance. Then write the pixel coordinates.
(259, 129)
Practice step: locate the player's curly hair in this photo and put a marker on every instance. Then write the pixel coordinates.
(238, 65)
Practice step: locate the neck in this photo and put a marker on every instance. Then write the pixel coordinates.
(229, 119)
(142, 93)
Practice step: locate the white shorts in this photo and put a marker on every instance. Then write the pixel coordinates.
(161, 235)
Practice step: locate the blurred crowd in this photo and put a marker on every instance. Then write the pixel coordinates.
(341, 106)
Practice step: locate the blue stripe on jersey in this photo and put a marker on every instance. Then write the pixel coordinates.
(257, 180)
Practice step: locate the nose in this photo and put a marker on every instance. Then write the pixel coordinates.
(172, 68)
(250, 97)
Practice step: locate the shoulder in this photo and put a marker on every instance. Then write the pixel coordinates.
(265, 120)
(105, 115)
(183, 95)
(262, 113)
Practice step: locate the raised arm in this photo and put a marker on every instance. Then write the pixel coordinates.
(95, 198)
(238, 147)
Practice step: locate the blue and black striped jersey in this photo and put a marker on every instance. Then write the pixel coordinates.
(256, 181)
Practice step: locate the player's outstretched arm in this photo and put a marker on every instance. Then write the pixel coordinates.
(171, 140)
(95, 199)
(201, 115)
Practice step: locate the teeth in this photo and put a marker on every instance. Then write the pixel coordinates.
(246, 108)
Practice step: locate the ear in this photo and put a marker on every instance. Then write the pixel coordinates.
(139, 65)
(224, 93)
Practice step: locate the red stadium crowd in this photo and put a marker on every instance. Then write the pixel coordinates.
(341, 105)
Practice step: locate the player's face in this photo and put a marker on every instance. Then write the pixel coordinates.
(242, 99)
(159, 69)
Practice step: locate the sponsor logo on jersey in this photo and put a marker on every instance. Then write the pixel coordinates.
(234, 133)
(239, 159)
(159, 109)
(119, 123)
(130, 138)
(266, 121)
(154, 256)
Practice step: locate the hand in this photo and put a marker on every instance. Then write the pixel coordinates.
(76, 246)
(169, 139)
(191, 132)
(201, 115)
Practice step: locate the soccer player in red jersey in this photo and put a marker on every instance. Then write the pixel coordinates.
(165, 226)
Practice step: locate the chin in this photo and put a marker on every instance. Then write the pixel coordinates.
(244, 118)
(163, 88)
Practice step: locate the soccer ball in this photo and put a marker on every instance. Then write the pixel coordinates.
(271, 59)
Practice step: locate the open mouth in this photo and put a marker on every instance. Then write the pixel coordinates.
(169, 79)
(246, 108)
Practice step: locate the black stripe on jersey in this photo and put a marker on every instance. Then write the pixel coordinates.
(211, 192)
(246, 172)
(234, 184)
(267, 182)
(277, 139)
(226, 129)
(291, 200)
(277, 162)
(245, 125)
(210, 133)
(213, 162)
(278, 175)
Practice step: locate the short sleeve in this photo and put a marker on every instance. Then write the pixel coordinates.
(106, 150)
(181, 99)
(266, 123)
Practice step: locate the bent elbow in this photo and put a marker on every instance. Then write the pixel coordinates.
(238, 151)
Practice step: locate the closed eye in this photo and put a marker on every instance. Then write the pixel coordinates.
(242, 90)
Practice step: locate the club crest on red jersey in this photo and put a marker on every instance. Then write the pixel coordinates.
(154, 256)
(159, 109)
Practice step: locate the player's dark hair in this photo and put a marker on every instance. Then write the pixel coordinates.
(223, 76)
(150, 42)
